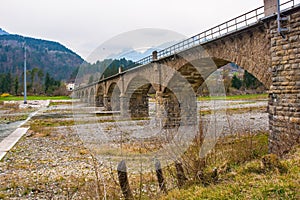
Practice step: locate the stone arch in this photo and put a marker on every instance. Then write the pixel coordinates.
(137, 94)
(179, 96)
(113, 97)
(251, 51)
(99, 100)
(196, 64)
(193, 65)
(148, 72)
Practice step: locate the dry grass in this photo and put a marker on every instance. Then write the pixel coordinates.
(51, 164)
(250, 180)
(10, 106)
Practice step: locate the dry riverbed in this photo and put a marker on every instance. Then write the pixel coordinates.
(11, 117)
(52, 162)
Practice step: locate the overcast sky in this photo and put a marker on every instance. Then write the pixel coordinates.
(83, 25)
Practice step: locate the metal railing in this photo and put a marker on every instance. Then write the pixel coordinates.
(235, 24)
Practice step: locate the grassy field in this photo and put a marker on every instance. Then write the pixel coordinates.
(20, 98)
(236, 97)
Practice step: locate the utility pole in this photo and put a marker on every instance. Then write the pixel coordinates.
(25, 86)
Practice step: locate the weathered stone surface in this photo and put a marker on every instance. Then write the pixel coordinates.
(274, 60)
(284, 118)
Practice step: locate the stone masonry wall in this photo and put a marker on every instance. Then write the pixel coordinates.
(284, 98)
(249, 49)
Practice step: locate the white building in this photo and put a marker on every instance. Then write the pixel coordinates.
(70, 86)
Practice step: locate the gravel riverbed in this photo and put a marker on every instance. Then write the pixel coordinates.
(52, 162)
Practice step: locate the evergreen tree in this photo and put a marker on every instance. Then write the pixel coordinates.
(40, 84)
(40, 75)
(16, 85)
(51, 84)
(33, 73)
(74, 74)
(47, 82)
(8, 82)
(250, 81)
(2, 83)
(236, 82)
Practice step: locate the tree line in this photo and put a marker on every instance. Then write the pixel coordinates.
(248, 82)
(101, 69)
(37, 82)
(234, 82)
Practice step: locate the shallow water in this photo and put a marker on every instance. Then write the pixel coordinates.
(6, 129)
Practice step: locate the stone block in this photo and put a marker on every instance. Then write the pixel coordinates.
(295, 120)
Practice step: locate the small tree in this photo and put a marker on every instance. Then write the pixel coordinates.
(250, 81)
(8, 83)
(47, 82)
(236, 82)
(16, 85)
(51, 84)
(40, 75)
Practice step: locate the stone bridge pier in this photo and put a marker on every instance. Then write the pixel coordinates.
(284, 93)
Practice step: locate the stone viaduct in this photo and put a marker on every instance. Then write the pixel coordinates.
(177, 72)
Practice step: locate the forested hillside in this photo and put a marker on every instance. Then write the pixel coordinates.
(50, 57)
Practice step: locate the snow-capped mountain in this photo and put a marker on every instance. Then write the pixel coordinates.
(137, 54)
(3, 32)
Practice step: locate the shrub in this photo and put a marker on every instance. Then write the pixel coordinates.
(5, 95)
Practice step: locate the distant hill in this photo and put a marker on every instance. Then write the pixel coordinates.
(50, 56)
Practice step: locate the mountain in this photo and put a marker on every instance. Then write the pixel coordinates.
(51, 57)
(3, 32)
(135, 55)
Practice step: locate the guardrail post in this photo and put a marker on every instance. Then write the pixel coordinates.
(154, 55)
(160, 177)
(180, 174)
(123, 180)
